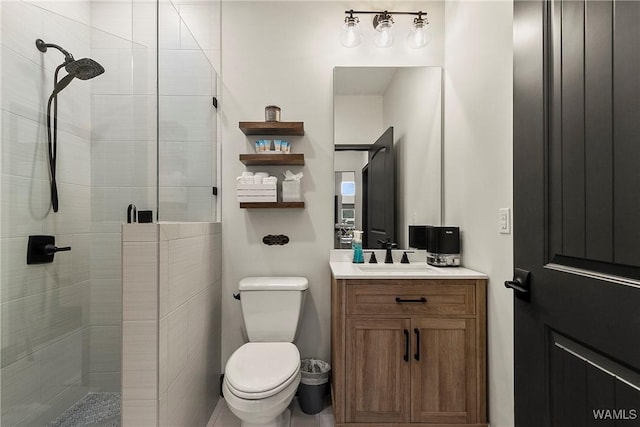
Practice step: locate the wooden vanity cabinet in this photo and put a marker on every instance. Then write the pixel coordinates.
(409, 352)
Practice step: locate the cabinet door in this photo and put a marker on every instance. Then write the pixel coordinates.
(377, 373)
(443, 371)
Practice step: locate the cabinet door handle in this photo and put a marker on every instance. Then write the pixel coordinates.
(417, 332)
(421, 300)
(406, 345)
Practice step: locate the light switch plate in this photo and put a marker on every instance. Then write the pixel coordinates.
(504, 220)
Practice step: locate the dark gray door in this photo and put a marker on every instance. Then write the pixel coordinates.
(577, 212)
(381, 190)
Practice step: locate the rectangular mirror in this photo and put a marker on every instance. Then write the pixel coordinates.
(388, 152)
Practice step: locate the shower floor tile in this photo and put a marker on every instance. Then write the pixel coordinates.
(94, 409)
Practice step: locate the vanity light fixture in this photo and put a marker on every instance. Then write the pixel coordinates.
(351, 36)
(419, 34)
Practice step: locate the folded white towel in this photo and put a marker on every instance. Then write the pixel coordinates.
(270, 180)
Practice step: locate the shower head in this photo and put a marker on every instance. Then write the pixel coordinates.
(84, 69)
(42, 47)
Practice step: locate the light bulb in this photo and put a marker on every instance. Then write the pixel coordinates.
(385, 32)
(350, 35)
(420, 34)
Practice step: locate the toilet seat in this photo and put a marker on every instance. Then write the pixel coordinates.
(258, 370)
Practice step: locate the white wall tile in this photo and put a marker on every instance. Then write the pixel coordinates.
(177, 340)
(105, 381)
(139, 385)
(106, 256)
(112, 163)
(163, 355)
(61, 366)
(22, 327)
(80, 257)
(186, 118)
(196, 21)
(140, 346)
(139, 413)
(20, 387)
(106, 302)
(188, 266)
(112, 17)
(186, 164)
(140, 232)
(17, 279)
(19, 93)
(24, 147)
(109, 208)
(184, 72)
(65, 310)
(112, 118)
(74, 214)
(140, 280)
(21, 26)
(183, 395)
(186, 204)
(168, 26)
(163, 279)
(163, 410)
(22, 205)
(170, 231)
(73, 163)
(105, 349)
(199, 324)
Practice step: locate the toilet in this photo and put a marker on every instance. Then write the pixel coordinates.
(262, 376)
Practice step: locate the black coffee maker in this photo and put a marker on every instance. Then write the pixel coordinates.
(442, 244)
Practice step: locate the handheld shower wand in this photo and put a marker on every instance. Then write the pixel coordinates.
(83, 69)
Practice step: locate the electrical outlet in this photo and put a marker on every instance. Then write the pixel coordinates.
(504, 220)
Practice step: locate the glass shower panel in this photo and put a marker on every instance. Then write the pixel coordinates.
(187, 138)
(60, 352)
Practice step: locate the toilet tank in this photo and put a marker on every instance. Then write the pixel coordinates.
(272, 307)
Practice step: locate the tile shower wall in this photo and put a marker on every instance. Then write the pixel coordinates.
(171, 327)
(44, 308)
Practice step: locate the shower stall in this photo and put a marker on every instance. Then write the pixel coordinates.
(131, 123)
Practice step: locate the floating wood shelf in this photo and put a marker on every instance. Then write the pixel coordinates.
(274, 205)
(272, 128)
(272, 159)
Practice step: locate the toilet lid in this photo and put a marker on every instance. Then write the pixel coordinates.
(256, 369)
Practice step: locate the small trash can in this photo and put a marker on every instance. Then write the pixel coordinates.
(314, 377)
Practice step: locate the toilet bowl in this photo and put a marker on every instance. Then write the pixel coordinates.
(260, 381)
(262, 376)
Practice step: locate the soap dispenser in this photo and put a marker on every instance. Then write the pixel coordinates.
(356, 245)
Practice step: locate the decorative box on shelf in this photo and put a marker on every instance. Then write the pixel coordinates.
(291, 191)
(257, 193)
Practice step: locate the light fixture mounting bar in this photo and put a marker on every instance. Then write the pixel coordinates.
(383, 12)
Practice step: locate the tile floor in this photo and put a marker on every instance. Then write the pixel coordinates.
(223, 417)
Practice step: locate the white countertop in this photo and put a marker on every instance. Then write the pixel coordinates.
(343, 268)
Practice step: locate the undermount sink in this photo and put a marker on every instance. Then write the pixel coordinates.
(396, 268)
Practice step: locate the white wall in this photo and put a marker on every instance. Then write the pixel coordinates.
(357, 118)
(478, 168)
(413, 106)
(283, 53)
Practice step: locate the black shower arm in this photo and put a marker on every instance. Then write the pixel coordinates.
(42, 47)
